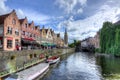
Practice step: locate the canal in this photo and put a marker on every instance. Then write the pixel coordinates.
(85, 66)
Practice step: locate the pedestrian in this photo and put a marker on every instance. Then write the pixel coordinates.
(17, 47)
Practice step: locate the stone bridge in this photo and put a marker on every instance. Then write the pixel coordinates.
(85, 47)
(89, 48)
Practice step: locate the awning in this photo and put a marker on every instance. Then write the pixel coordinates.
(48, 44)
(1, 38)
(27, 41)
(30, 39)
(9, 38)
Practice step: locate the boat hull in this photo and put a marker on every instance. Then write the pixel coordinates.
(53, 61)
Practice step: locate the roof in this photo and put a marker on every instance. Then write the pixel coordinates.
(2, 18)
(21, 20)
(58, 35)
(29, 24)
(46, 30)
(117, 23)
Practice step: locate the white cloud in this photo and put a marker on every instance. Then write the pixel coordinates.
(32, 15)
(6, 9)
(79, 10)
(69, 5)
(3, 8)
(36, 17)
(20, 13)
(91, 24)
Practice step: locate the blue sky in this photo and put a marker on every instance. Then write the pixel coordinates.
(82, 18)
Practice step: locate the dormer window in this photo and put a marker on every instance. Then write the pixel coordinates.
(13, 21)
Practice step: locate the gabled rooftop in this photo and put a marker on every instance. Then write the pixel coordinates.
(2, 18)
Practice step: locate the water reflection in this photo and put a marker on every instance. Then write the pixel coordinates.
(78, 66)
(110, 67)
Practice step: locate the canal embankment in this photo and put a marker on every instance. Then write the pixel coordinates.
(33, 72)
(12, 62)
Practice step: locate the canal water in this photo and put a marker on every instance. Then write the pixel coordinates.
(85, 66)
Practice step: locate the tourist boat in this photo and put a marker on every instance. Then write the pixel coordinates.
(53, 59)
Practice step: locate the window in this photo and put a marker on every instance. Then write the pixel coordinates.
(17, 32)
(34, 35)
(26, 25)
(26, 33)
(1, 43)
(13, 21)
(23, 33)
(30, 35)
(16, 42)
(9, 43)
(9, 30)
(33, 28)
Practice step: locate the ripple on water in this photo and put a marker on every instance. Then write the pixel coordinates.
(79, 66)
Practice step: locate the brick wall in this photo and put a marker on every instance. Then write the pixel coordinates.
(8, 22)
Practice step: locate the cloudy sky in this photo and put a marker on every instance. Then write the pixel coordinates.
(82, 18)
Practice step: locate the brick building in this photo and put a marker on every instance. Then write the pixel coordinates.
(49, 36)
(54, 38)
(19, 33)
(30, 34)
(43, 35)
(9, 31)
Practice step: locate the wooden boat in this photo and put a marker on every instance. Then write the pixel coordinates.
(53, 59)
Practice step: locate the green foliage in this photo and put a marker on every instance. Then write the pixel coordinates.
(74, 44)
(98, 50)
(110, 38)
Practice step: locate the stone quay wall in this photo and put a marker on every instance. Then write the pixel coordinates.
(14, 61)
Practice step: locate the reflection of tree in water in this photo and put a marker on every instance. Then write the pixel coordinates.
(109, 65)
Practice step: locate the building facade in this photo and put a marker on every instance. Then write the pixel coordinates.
(20, 34)
(30, 34)
(97, 40)
(49, 36)
(10, 31)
